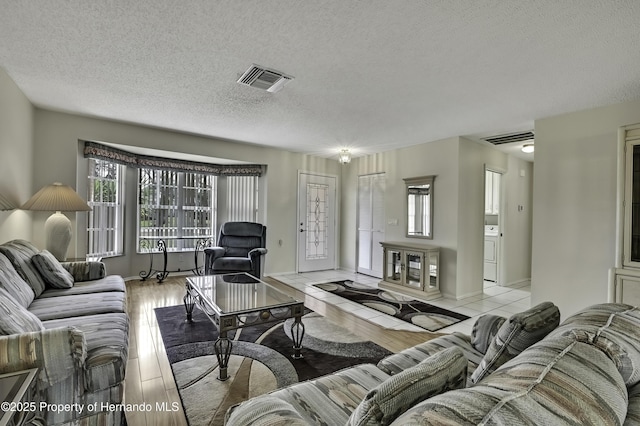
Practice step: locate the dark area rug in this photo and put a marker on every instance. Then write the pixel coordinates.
(422, 314)
(261, 359)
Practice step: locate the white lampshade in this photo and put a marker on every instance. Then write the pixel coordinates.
(57, 198)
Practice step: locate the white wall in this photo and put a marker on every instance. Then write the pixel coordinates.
(16, 157)
(473, 158)
(56, 140)
(517, 233)
(574, 196)
(434, 158)
(459, 165)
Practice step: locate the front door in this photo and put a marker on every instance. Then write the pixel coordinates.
(316, 222)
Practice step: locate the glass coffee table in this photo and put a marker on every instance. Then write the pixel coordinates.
(234, 301)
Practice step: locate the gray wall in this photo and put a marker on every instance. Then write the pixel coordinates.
(16, 158)
(435, 158)
(574, 218)
(459, 165)
(472, 160)
(518, 228)
(56, 141)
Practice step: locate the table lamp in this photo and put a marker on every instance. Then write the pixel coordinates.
(57, 198)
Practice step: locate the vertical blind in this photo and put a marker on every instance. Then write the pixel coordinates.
(242, 198)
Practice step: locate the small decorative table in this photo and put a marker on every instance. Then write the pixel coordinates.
(234, 301)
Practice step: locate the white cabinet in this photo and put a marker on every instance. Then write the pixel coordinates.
(626, 287)
(492, 193)
(491, 258)
(411, 269)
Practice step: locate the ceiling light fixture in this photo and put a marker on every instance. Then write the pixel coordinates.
(528, 148)
(344, 157)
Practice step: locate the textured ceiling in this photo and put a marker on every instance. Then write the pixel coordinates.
(370, 75)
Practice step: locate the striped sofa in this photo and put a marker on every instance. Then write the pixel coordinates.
(525, 370)
(70, 321)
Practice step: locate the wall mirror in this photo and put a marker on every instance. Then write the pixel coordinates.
(420, 206)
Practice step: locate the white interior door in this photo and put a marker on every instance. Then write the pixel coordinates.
(371, 223)
(316, 222)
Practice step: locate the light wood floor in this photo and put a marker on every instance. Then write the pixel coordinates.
(149, 378)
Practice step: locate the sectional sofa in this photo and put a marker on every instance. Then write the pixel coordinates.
(526, 370)
(68, 320)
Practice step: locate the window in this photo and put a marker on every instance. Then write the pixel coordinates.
(177, 207)
(106, 192)
(242, 198)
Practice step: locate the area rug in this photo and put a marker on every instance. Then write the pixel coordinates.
(261, 359)
(413, 311)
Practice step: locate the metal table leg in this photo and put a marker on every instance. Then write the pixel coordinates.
(297, 333)
(189, 304)
(222, 347)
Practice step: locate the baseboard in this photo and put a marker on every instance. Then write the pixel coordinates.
(464, 296)
(525, 281)
(153, 277)
(276, 274)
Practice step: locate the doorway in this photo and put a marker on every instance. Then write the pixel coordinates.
(316, 222)
(371, 224)
(493, 221)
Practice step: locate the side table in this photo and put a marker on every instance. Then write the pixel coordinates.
(20, 403)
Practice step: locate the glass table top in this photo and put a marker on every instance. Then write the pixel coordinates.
(233, 293)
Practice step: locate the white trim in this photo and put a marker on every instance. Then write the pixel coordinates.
(501, 264)
(629, 143)
(620, 194)
(517, 283)
(464, 296)
(623, 267)
(97, 235)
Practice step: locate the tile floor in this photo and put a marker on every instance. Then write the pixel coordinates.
(503, 301)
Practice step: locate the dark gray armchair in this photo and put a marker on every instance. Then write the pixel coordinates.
(241, 247)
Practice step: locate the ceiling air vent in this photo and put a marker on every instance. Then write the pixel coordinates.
(264, 78)
(510, 138)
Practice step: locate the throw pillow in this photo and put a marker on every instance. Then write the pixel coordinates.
(20, 252)
(517, 334)
(14, 319)
(52, 271)
(13, 283)
(484, 330)
(441, 372)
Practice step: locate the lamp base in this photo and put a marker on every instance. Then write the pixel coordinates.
(57, 231)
